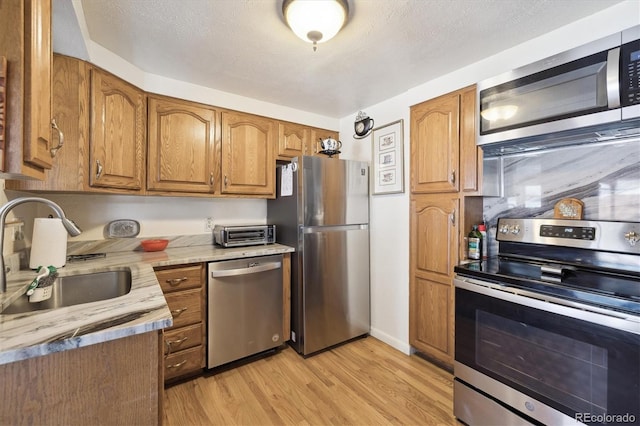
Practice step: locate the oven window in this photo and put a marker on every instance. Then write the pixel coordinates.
(571, 365)
(571, 372)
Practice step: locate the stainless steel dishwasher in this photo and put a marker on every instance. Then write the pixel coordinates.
(245, 308)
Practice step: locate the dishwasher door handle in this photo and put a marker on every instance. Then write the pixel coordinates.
(246, 271)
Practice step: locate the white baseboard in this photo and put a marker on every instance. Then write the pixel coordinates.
(391, 341)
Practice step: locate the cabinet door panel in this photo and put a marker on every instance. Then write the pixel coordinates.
(181, 147)
(435, 145)
(470, 153)
(38, 60)
(292, 139)
(248, 165)
(434, 236)
(431, 318)
(117, 133)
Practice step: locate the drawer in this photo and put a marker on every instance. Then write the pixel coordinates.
(184, 362)
(182, 338)
(180, 278)
(185, 307)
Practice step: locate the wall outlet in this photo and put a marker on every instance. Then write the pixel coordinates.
(208, 224)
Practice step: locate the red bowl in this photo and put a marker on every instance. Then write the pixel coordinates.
(154, 245)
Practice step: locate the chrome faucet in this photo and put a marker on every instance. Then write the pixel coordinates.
(68, 224)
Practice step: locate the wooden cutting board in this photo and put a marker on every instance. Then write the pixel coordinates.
(568, 208)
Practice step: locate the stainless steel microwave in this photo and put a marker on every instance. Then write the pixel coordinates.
(593, 86)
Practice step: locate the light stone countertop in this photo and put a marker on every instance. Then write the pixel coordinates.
(142, 310)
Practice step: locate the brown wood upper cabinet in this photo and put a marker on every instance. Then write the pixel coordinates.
(443, 149)
(103, 119)
(313, 148)
(182, 147)
(292, 140)
(117, 141)
(25, 41)
(248, 163)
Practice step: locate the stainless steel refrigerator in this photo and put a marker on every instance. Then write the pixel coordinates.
(322, 209)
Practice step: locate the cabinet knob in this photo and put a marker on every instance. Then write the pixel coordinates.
(98, 169)
(211, 179)
(453, 177)
(453, 219)
(55, 127)
(226, 180)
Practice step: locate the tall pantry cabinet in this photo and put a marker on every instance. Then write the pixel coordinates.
(445, 182)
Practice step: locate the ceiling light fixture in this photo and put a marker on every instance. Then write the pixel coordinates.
(315, 21)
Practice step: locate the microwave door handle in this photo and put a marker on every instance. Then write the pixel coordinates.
(613, 78)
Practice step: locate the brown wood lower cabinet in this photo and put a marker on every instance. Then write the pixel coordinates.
(115, 382)
(184, 342)
(435, 220)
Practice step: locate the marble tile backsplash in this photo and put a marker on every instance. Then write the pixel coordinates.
(605, 177)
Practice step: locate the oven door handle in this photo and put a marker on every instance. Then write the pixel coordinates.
(607, 318)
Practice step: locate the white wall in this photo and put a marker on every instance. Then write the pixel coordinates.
(390, 213)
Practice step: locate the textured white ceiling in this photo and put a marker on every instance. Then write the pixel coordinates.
(387, 46)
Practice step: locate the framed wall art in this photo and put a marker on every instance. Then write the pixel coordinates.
(388, 159)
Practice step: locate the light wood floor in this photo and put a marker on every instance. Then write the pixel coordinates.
(364, 382)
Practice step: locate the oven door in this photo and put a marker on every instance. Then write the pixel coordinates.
(553, 363)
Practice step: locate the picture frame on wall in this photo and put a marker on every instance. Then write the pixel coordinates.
(388, 159)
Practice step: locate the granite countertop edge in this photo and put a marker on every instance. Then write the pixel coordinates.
(143, 309)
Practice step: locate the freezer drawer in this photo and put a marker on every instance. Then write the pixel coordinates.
(245, 308)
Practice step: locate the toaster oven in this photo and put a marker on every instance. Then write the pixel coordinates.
(246, 235)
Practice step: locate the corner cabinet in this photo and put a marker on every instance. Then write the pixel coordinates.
(313, 147)
(445, 179)
(182, 147)
(25, 41)
(103, 119)
(248, 165)
(295, 140)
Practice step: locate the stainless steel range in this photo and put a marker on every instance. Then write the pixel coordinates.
(548, 331)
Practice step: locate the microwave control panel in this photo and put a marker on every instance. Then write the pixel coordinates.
(630, 73)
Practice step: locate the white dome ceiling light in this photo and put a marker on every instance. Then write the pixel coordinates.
(315, 21)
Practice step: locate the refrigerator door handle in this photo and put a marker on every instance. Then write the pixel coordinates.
(313, 229)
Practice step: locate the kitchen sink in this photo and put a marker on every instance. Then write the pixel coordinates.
(77, 289)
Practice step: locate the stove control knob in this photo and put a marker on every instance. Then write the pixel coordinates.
(504, 229)
(515, 229)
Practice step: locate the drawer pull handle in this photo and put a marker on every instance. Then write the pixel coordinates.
(174, 342)
(178, 365)
(175, 281)
(177, 312)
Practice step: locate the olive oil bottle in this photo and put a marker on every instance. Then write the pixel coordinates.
(475, 244)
